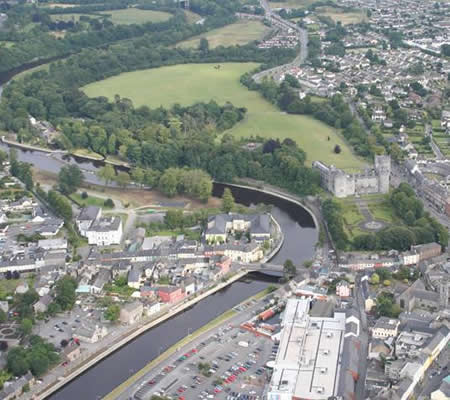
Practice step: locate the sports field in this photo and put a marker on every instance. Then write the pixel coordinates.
(241, 32)
(345, 18)
(135, 16)
(187, 84)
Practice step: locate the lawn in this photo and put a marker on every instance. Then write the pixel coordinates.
(382, 211)
(240, 33)
(345, 18)
(192, 17)
(187, 84)
(89, 201)
(136, 16)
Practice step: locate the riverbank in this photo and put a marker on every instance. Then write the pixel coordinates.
(31, 147)
(131, 336)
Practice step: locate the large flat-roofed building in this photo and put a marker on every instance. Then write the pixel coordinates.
(309, 358)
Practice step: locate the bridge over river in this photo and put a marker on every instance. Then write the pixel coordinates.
(264, 268)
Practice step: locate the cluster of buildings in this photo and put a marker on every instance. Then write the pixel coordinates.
(435, 192)
(362, 261)
(168, 269)
(342, 184)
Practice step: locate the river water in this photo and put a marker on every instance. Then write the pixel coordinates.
(300, 237)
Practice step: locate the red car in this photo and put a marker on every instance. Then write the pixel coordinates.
(151, 382)
(243, 369)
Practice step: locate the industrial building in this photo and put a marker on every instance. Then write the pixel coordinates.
(310, 363)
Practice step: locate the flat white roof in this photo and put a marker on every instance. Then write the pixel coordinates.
(309, 355)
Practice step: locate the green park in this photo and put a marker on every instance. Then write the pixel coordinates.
(185, 84)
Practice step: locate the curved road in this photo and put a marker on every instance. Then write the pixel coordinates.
(302, 34)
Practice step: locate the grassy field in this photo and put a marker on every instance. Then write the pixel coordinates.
(192, 17)
(345, 18)
(135, 16)
(187, 84)
(7, 44)
(90, 201)
(240, 33)
(71, 17)
(292, 3)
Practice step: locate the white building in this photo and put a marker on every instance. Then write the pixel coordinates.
(100, 231)
(385, 327)
(307, 365)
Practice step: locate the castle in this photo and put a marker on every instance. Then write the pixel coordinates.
(341, 184)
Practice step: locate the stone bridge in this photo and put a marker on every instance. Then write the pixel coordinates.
(265, 268)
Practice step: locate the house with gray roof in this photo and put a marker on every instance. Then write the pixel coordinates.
(219, 226)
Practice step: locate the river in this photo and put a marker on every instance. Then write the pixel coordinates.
(300, 237)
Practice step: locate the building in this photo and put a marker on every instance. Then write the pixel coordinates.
(86, 218)
(385, 327)
(307, 364)
(100, 231)
(53, 244)
(416, 296)
(90, 334)
(42, 304)
(410, 258)
(343, 289)
(131, 312)
(443, 393)
(341, 184)
(106, 231)
(170, 294)
(13, 390)
(428, 250)
(71, 352)
(221, 225)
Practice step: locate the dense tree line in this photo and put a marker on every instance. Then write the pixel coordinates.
(38, 357)
(332, 213)
(38, 44)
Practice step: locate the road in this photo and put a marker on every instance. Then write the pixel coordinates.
(364, 339)
(302, 34)
(436, 150)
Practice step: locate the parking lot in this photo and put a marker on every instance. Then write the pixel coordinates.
(62, 326)
(228, 365)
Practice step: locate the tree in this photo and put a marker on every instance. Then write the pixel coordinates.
(138, 175)
(112, 313)
(3, 316)
(386, 282)
(106, 174)
(337, 149)
(64, 343)
(26, 326)
(84, 195)
(227, 201)
(123, 179)
(108, 203)
(375, 279)
(70, 178)
(65, 292)
(203, 46)
(289, 269)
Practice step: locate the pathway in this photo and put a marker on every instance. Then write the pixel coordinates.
(436, 150)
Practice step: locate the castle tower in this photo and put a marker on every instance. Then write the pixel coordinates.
(443, 293)
(383, 169)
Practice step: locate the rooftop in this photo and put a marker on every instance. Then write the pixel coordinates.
(307, 363)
